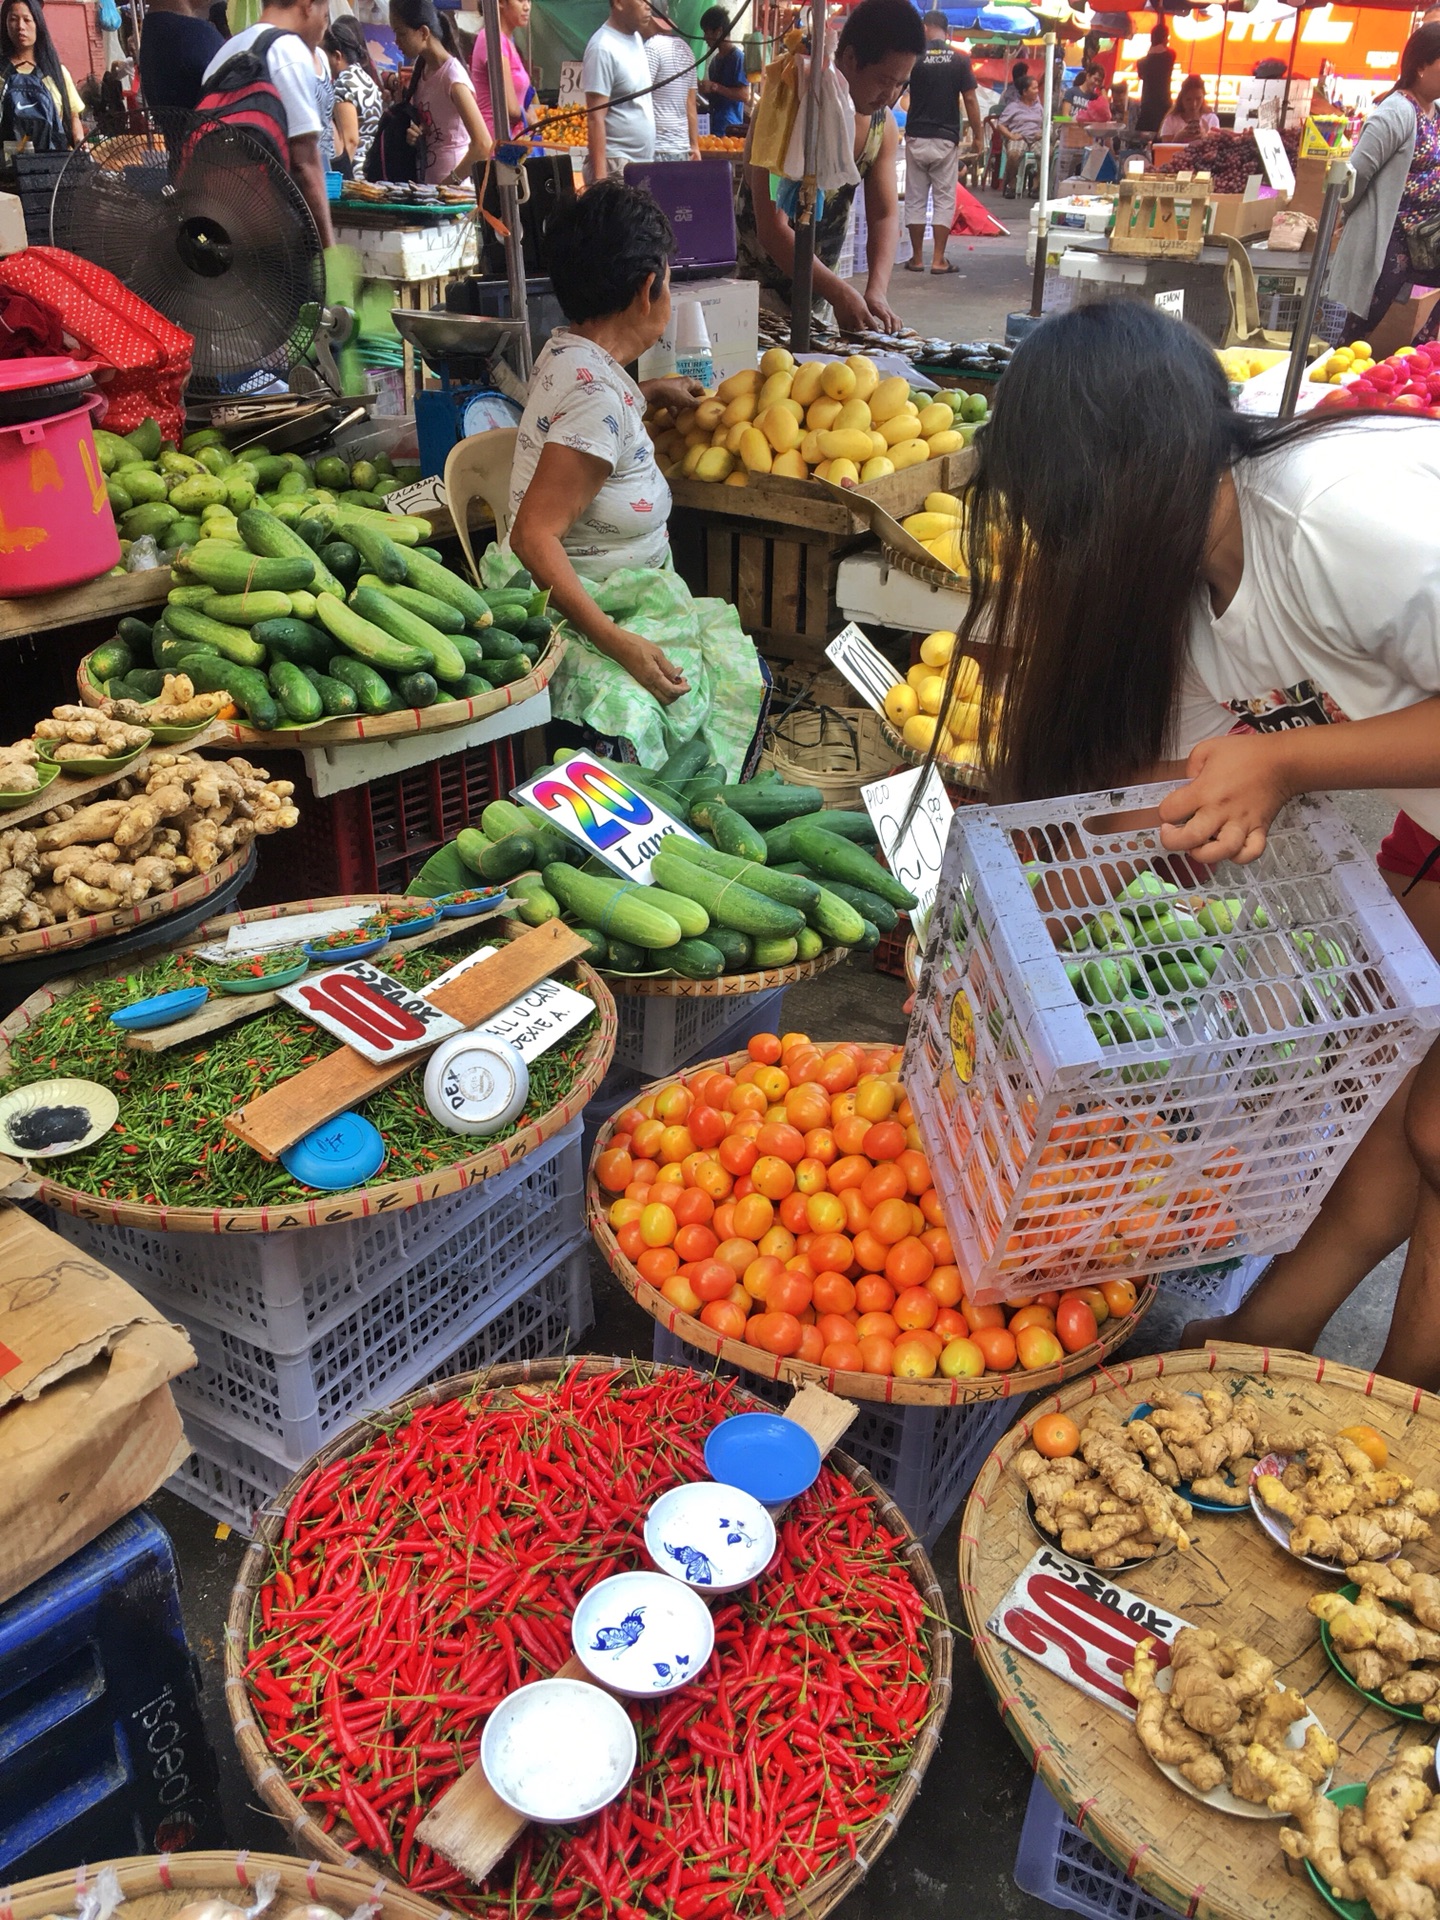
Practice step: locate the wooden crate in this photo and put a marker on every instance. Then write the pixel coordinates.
(1161, 216)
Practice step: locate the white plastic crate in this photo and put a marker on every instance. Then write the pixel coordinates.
(229, 1476)
(411, 253)
(926, 1458)
(284, 1290)
(1058, 1865)
(1065, 1157)
(660, 1033)
(1217, 1289)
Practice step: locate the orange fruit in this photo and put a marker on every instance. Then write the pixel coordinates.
(833, 1292)
(890, 1222)
(998, 1346)
(843, 1356)
(1369, 1442)
(915, 1309)
(912, 1359)
(1055, 1435)
(910, 1264)
(869, 1324)
(877, 1355)
(874, 1293)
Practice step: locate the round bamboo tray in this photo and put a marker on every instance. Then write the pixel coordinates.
(852, 1386)
(386, 1196)
(159, 1885)
(266, 1769)
(68, 934)
(630, 986)
(835, 749)
(1233, 1579)
(378, 726)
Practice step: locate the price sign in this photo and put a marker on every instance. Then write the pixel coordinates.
(599, 808)
(1082, 1626)
(1273, 157)
(915, 855)
(572, 94)
(380, 1017)
(535, 1021)
(1172, 302)
(863, 665)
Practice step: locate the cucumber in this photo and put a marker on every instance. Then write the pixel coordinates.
(337, 699)
(621, 956)
(248, 609)
(534, 904)
(837, 859)
(417, 689)
(868, 905)
(370, 643)
(809, 945)
(777, 953)
(112, 661)
(470, 843)
(619, 908)
(736, 947)
(372, 692)
(788, 888)
(550, 843)
(148, 683)
(212, 673)
(342, 559)
(537, 632)
(771, 802)
(496, 644)
(728, 902)
(430, 577)
(695, 960)
(233, 642)
(191, 597)
(167, 649)
(301, 702)
(688, 914)
(436, 612)
(869, 940)
(264, 533)
(230, 569)
(503, 859)
(850, 825)
(375, 547)
(133, 633)
(290, 639)
(732, 832)
(502, 672)
(447, 662)
(471, 687)
(302, 603)
(596, 956)
(502, 817)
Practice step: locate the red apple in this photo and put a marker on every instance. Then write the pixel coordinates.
(1337, 400)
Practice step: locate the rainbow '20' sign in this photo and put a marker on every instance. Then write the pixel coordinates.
(599, 808)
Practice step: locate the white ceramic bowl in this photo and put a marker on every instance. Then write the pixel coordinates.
(558, 1750)
(712, 1538)
(642, 1633)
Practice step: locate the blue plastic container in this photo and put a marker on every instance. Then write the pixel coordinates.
(102, 1747)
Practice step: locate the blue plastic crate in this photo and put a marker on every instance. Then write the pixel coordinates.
(102, 1746)
(660, 1033)
(1058, 1865)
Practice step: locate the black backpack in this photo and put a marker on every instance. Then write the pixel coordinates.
(28, 112)
(391, 155)
(242, 94)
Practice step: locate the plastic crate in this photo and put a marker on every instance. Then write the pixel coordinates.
(285, 1290)
(1232, 1121)
(1058, 1865)
(889, 953)
(1217, 1289)
(659, 1033)
(230, 1475)
(376, 837)
(926, 1458)
(102, 1746)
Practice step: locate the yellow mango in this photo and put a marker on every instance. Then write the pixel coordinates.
(837, 380)
(901, 426)
(754, 451)
(967, 679)
(867, 375)
(777, 387)
(670, 446)
(780, 428)
(914, 675)
(928, 526)
(918, 731)
(854, 447)
(947, 441)
(854, 415)
(901, 704)
(935, 417)
(692, 459)
(945, 503)
(745, 382)
(791, 406)
(949, 552)
(686, 420)
(841, 471)
(963, 721)
(721, 435)
(936, 648)
(822, 472)
(735, 479)
(909, 453)
(931, 692)
(743, 408)
(807, 385)
(888, 398)
(876, 467)
(716, 464)
(709, 414)
(822, 414)
(734, 435)
(790, 465)
(810, 448)
(776, 360)
(879, 445)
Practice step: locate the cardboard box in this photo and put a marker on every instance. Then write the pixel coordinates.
(732, 319)
(1309, 187)
(1232, 213)
(1401, 324)
(88, 1426)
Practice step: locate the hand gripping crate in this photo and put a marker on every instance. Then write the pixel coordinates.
(103, 1749)
(1244, 1026)
(1058, 1865)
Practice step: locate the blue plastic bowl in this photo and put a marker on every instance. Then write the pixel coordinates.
(338, 956)
(452, 909)
(345, 1152)
(160, 1010)
(765, 1455)
(408, 929)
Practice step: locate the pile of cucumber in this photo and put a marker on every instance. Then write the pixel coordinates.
(317, 610)
(770, 881)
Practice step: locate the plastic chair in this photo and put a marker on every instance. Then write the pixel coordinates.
(1244, 328)
(479, 468)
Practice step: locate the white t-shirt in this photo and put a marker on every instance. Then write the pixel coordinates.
(1337, 616)
(615, 64)
(579, 397)
(292, 69)
(672, 66)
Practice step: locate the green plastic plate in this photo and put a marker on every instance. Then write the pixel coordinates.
(1344, 1797)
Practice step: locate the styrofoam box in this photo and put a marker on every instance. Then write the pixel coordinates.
(230, 1474)
(926, 1458)
(658, 1033)
(1232, 1119)
(1058, 1865)
(285, 1290)
(412, 253)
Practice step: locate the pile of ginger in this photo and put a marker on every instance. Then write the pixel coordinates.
(1385, 1850)
(1341, 1507)
(1394, 1654)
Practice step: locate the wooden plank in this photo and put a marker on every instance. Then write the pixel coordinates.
(287, 1112)
(750, 581)
(108, 597)
(786, 562)
(470, 1826)
(719, 561)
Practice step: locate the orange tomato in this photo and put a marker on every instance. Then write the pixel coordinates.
(753, 1216)
(1369, 1442)
(885, 1141)
(838, 1072)
(1032, 1316)
(944, 1283)
(913, 1358)
(811, 1345)
(843, 1356)
(807, 1106)
(646, 1139)
(657, 1225)
(736, 1154)
(787, 1143)
(707, 1126)
(909, 1263)
(779, 1241)
(850, 1132)
(1037, 1347)
(792, 1212)
(779, 1333)
(833, 1292)
(1094, 1298)
(679, 1292)
(675, 1144)
(857, 1214)
(961, 1359)
(874, 1293)
(848, 1171)
(694, 1208)
(673, 1103)
(937, 1241)
(825, 1212)
(1055, 1435)
(916, 1169)
(746, 1098)
(788, 1293)
(914, 1308)
(997, 1344)
(723, 1318)
(764, 1047)
(711, 1178)
(931, 1208)
(1075, 1325)
(773, 1176)
(737, 1254)
(810, 1176)
(801, 1263)
(877, 1355)
(713, 1089)
(890, 1222)
(773, 1082)
(951, 1325)
(1119, 1297)
(871, 1252)
(621, 1212)
(628, 1119)
(869, 1324)
(695, 1243)
(834, 1251)
(820, 1144)
(630, 1240)
(874, 1099)
(760, 1275)
(657, 1263)
(614, 1170)
(713, 1280)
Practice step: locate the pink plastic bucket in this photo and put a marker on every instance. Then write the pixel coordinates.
(56, 527)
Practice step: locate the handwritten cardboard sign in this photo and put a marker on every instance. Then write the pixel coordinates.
(377, 1015)
(1077, 1623)
(602, 811)
(914, 856)
(863, 665)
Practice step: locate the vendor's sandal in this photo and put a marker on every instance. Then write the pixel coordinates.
(913, 266)
(947, 268)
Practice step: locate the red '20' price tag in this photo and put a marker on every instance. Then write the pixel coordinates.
(1082, 1626)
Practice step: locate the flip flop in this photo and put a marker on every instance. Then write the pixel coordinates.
(913, 266)
(947, 268)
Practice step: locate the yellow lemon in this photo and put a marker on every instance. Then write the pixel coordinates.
(936, 648)
(919, 731)
(901, 704)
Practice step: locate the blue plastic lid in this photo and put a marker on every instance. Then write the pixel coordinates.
(765, 1455)
(160, 1009)
(346, 1152)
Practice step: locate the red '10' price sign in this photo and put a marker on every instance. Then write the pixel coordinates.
(377, 1015)
(1082, 1626)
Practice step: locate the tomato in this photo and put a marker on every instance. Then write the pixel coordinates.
(773, 1176)
(707, 1126)
(657, 1225)
(647, 1137)
(1051, 1299)
(630, 1240)
(838, 1072)
(825, 1213)
(788, 1293)
(811, 1345)
(621, 1212)
(712, 1279)
(760, 1275)
(1037, 1347)
(833, 1293)
(753, 1216)
(784, 1141)
(774, 1083)
(937, 1242)
(1119, 1297)
(871, 1252)
(874, 1293)
(736, 1154)
(961, 1359)
(849, 1131)
(914, 1308)
(714, 1088)
(745, 1099)
(874, 1100)
(951, 1325)
(885, 1182)
(890, 1221)
(843, 1356)
(849, 1171)
(801, 1263)
(1075, 1325)
(869, 1324)
(885, 1141)
(810, 1176)
(909, 1263)
(835, 1251)
(807, 1106)
(712, 1179)
(857, 1214)
(931, 1208)
(657, 1263)
(1032, 1316)
(916, 1169)
(944, 1283)
(673, 1103)
(913, 1358)
(820, 1145)
(694, 1207)
(998, 1346)
(802, 1063)
(764, 1047)
(778, 1333)
(877, 1355)
(1094, 1298)
(737, 1254)
(675, 1143)
(614, 1170)
(679, 1292)
(778, 1242)
(628, 1119)
(723, 1318)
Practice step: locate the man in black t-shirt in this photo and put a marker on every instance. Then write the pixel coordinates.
(1154, 73)
(939, 81)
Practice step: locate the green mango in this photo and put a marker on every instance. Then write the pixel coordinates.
(154, 517)
(215, 459)
(1075, 974)
(193, 496)
(120, 500)
(144, 484)
(146, 438)
(1150, 886)
(185, 529)
(292, 484)
(179, 464)
(1223, 916)
(247, 470)
(332, 471)
(112, 451)
(1105, 930)
(293, 463)
(193, 443)
(362, 475)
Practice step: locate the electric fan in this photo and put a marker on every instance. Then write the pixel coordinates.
(201, 221)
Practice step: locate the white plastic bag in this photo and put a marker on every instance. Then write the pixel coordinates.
(835, 151)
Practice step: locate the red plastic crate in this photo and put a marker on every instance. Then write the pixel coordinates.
(376, 838)
(888, 956)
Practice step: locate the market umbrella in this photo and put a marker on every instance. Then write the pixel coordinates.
(1018, 20)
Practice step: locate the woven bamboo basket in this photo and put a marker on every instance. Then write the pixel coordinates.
(836, 749)
(965, 779)
(1234, 1579)
(266, 1768)
(378, 726)
(76, 934)
(726, 985)
(326, 1209)
(159, 1885)
(852, 1386)
(912, 963)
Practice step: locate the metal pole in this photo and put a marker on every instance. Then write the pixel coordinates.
(1042, 212)
(1289, 71)
(802, 277)
(505, 182)
(1339, 178)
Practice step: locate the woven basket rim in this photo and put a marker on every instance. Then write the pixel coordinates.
(962, 773)
(820, 1896)
(850, 1386)
(223, 1873)
(78, 934)
(639, 986)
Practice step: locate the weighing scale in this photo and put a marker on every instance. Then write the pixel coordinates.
(481, 387)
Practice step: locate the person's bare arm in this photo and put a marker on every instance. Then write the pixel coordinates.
(972, 114)
(309, 176)
(596, 103)
(347, 129)
(777, 237)
(513, 110)
(882, 226)
(564, 483)
(482, 146)
(692, 122)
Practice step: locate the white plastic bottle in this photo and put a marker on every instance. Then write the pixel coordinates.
(693, 359)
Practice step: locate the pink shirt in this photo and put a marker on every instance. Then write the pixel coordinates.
(1096, 112)
(446, 141)
(480, 74)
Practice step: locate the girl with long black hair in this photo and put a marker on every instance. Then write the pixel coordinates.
(449, 127)
(1182, 591)
(38, 100)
